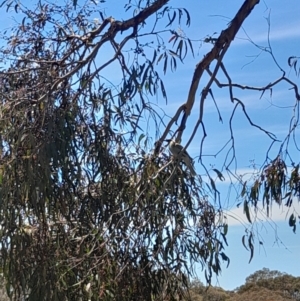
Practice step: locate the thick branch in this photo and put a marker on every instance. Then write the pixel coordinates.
(142, 16)
(217, 52)
(222, 43)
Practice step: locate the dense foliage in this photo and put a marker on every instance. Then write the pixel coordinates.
(87, 210)
(263, 285)
(92, 205)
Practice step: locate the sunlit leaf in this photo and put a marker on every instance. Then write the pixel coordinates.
(172, 38)
(141, 137)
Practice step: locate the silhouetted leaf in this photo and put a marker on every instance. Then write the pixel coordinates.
(244, 243)
(247, 211)
(244, 189)
(220, 175)
(292, 222)
(225, 258)
(251, 247)
(171, 20)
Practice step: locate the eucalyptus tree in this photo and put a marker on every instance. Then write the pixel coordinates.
(93, 206)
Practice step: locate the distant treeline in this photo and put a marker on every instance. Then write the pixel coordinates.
(263, 285)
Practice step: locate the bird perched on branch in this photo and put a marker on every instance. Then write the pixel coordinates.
(177, 151)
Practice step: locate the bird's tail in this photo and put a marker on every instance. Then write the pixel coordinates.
(189, 163)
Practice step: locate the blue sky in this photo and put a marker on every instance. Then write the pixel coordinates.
(247, 65)
(281, 247)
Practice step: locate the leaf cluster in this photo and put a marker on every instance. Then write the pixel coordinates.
(88, 211)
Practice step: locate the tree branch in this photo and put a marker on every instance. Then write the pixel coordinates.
(217, 52)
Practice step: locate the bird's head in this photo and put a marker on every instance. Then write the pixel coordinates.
(177, 141)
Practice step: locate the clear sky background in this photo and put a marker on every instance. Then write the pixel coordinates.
(247, 65)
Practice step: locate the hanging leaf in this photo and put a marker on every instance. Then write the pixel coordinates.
(244, 189)
(251, 247)
(171, 20)
(244, 243)
(219, 174)
(292, 222)
(191, 46)
(172, 38)
(225, 258)
(247, 211)
(141, 137)
(165, 65)
(225, 229)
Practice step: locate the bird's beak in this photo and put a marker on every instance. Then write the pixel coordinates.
(168, 141)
